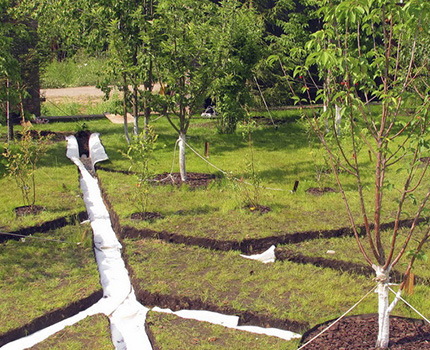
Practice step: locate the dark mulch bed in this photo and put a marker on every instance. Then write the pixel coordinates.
(194, 180)
(316, 191)
(146, 216)
(28, 210)
(360, 332)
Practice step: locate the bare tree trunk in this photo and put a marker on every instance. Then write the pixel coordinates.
(182, 169)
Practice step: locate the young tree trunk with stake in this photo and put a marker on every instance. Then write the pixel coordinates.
(371, 50)
(186, 62)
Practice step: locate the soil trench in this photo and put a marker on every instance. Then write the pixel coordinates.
(50, 318)
(46, 226)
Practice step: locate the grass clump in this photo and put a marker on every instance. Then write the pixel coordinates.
(39, 276)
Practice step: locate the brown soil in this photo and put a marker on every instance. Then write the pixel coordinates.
(83, 137)
(28, 210)
(316, 191)
(247, 246)
(146, 216)
(360, 333)
(46, 226)
(194, 180)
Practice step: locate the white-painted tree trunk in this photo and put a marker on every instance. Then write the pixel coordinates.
(182, 169)
(338, 119)
(384, 308)
(327, 129)
(383, 317)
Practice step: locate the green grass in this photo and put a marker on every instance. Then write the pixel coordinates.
(285, 290)
(80, 70)
(90, 333)
(39, 276)
(346, 249)
(72, 106)
(175, 333)
(280, 290)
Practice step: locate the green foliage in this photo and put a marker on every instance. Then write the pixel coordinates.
(185, 64)
(251, 181)
(139, 153)
(80, 70)
(239, 50)
(21, 163)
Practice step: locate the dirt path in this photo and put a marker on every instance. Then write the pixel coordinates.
(72, 92)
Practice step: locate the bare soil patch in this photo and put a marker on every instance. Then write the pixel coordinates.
(194, 180)
(317, 191)
(28, 210)
(146, 216)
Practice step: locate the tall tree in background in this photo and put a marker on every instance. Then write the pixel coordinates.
(373, 50)
(19, 63)
(288, 26)
(186, 64)
(130, 48)
(239, 50)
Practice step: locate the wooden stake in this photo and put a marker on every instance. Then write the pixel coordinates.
(296, 184)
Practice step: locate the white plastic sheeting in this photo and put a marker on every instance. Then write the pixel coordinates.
(229, 322)
(127, 315)
(266, 257)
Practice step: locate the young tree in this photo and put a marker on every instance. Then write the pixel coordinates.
(369, 50)
(185, 64)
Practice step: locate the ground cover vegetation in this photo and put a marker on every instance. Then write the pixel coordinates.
(222, 217)
(345, 150)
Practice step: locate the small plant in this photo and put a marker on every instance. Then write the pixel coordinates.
(139, 153)
(21, 161)
(251, 190)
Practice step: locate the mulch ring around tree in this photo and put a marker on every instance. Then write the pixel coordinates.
(194, 180)
(360, 332)
(146, 216)
(28, 210)
(317, 191)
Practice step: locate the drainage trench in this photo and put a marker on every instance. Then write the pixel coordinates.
(127, 316)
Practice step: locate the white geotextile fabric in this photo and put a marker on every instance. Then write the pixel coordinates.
(127, 315)
(266, 257)
(229, 322)
(39, 336)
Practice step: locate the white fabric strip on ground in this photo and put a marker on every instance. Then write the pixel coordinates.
(229, 322)
(127, 315)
